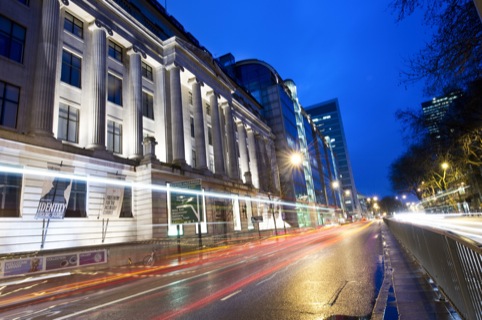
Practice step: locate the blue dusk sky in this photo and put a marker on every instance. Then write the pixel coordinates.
(351, 50)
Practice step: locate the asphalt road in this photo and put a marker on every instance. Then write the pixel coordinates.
(313, 275)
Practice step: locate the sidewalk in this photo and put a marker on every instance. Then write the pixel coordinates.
(406, 292)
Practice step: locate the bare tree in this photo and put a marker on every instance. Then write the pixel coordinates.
(453, 57)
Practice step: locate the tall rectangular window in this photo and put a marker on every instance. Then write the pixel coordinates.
(77, 200)
(210, 136)
(114, 137)
(10, 189)
(192, 128)
(9, 100)
(114, 90)
(147, 105)
(74, 25)
(71, 69)
(146, 71)
(12, 39)
(126, 210)
(208, 109)
(68, 123)
(115, 51)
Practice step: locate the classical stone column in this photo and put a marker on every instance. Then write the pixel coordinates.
(243, 153)
(231, 143)
(273, 164)
(253, 163)
(264, 163)
(135, 107)
(199, 136)
(99, 85)
(41, 118)
(217, 135)
(177, 120)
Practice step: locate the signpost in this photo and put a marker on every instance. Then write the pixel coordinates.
(186, 207)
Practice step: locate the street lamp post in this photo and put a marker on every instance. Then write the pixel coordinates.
(272, 213)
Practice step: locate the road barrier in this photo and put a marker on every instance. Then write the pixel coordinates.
(453, 262)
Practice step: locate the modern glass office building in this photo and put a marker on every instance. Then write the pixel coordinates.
(327, 118)
(292, 128)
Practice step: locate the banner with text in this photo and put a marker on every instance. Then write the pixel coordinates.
(55, 194)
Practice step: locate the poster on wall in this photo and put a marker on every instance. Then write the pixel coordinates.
(16, 267)
(113, 201)
(55, 194)
(22, 266)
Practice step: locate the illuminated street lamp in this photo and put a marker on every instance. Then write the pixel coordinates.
(296, 159)
(336, 185)
(444, 166)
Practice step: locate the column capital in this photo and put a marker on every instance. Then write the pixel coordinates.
(225, 104)
(195, 79)
(211, 93)
(173, 65)
(97, 24)
(239, 123)
(136, 50)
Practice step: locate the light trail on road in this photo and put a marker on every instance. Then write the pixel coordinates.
(182, 285)
(467, 226)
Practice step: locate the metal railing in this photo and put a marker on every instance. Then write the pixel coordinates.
(453, 262)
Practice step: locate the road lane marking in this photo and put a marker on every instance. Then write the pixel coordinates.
(232, 294)
(267, 279)
(142, 293)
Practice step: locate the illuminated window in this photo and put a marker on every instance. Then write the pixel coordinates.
(114, 90)
(10, 188)
(77, 200)
(9, 100)
(12, 39)
(114, 137)
(71, 69)
(115, 51)
(147, 106)
(68, 123)
(73, 25)
(146, 71)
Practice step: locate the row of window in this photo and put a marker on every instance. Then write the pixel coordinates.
(72, 74)
(208, 107)
(75, 26)
(68, 128)
(10, 192)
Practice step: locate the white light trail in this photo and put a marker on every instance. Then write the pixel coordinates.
(39, 172)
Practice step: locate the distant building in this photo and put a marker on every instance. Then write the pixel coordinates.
(327, 118)
(436, 109)
(292, 129)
